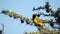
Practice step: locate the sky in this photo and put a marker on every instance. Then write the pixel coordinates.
(23, 7)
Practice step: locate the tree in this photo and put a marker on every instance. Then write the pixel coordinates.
(39, 23)
(1, 31)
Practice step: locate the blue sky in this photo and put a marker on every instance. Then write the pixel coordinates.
(23, 7)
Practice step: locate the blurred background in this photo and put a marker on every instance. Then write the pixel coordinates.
(23, 7)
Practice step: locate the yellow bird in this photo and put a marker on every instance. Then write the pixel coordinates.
(38, 21)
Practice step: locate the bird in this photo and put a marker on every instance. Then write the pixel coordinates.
(37, 21)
